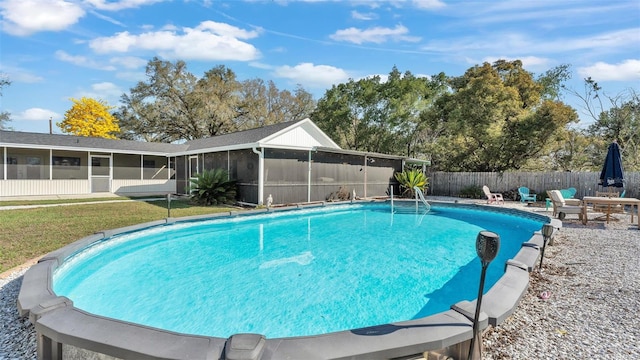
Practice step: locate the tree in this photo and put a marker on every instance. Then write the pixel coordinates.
(616, 117)
(263, 104)
(621, 123)
(161, 109)
(378, 116)
(495, 118)
(90, 117)
(173, 104)
(5, 116)
(217, 99)
(569, 150)
(552, 81)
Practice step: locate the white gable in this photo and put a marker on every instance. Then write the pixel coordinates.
(301, 134)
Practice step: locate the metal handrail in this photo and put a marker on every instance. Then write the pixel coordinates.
(420, 196)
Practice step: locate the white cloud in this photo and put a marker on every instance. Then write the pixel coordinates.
(19, 74)
(515, 44)
(108, 19)
(429, 4)
(363, 16)
(308, 74)
(106, 91)
(106, 88)
(208, 41)
(375, 4)
(33, 114)
(132, 75)
(376, 35)
(223, 29)
(129, 62)
(25, 17)
(627, 70)
(120, 5)
(259, 65)
(82, 61)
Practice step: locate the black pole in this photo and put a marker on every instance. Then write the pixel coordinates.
(487, 246)
(477, 315)
(544, 245)
(547, 231)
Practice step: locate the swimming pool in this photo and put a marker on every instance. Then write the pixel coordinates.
(290, 273)
(343, 275)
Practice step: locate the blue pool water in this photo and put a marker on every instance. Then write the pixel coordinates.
(290, 273)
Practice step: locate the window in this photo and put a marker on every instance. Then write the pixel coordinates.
(69, 165)
(66, 161)
(33, 161)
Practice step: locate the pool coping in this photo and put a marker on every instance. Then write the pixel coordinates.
(60, 325)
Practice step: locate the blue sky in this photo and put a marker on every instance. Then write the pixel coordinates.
(54, 50)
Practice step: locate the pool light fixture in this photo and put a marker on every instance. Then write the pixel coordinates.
(487, 247)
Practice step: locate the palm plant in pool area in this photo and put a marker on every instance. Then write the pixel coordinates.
(213, 187)
(408, 179)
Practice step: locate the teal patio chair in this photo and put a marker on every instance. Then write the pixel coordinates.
(525, 195)
(568, 193)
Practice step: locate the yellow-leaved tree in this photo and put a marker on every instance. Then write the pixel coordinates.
(90, 117)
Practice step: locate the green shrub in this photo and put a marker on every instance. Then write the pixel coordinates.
(410, 178)
(472, 191)
(213, 187)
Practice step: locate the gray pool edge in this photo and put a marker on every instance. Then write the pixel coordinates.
(58, 322)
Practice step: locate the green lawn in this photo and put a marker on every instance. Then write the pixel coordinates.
(29, 233)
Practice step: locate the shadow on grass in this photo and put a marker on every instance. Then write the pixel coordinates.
(61, 201)
(184, 203)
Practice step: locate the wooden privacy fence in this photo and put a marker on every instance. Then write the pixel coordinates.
(452, 183)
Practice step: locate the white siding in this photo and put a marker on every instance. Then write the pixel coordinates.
(296, 137)
(131, 186)
(79, 187)
(43, 187)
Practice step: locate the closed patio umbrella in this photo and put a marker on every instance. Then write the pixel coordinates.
(612, 174)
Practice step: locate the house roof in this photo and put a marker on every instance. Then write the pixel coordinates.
(303, 134)
(72, 142)
(295, 134)
(237, 138)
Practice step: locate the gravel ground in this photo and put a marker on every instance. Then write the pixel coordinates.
(591, 273)
(17, 335)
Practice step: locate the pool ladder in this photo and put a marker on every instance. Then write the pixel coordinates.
(420, 196)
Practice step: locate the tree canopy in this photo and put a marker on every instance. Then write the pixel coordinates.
(495, 117)
(378, 116)
(90, 117)
(173, 104)
(620, 122)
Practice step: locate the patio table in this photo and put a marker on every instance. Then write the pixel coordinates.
(611, 202)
